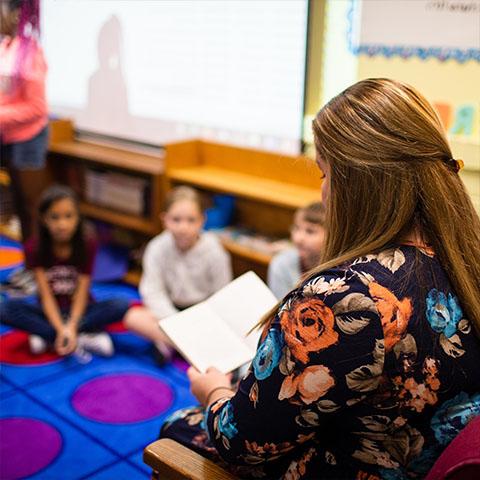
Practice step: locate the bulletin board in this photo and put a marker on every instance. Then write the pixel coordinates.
(445, 29)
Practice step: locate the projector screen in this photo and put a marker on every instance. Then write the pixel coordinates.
(161, 71)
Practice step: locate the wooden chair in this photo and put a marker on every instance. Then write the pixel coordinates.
(170, 460)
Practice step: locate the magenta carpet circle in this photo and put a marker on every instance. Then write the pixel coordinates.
(124, 398)
(27, 446)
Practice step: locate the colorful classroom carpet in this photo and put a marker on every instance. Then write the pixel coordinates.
(79, 418)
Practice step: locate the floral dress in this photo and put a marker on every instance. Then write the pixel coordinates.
(367, 372)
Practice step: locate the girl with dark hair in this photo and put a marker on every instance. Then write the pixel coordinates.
(61, 258)
(369, 367)
(23, 108)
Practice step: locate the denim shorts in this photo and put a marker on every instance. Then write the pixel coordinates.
(29, 154)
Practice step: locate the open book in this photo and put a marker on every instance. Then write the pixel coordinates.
(214, 332)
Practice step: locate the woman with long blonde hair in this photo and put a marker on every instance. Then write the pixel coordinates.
(369, 368)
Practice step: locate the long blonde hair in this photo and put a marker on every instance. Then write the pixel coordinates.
(391, 170)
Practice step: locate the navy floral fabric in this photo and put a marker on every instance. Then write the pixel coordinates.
(368, 371)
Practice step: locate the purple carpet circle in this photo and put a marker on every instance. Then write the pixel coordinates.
(124, 398)
(28, 446)
(180, 363)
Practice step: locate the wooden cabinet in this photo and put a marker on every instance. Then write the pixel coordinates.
(69, 160)
(268, 188)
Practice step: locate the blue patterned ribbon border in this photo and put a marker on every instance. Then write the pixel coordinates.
(405, 52)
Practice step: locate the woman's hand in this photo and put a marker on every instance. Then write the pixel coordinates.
(66, 340)
(203, 384)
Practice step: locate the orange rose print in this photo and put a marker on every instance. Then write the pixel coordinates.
(297, 469)
(430, 370)
(313, 383)
(416, 395)
(394, 313)
(268, 449)
(308, 327)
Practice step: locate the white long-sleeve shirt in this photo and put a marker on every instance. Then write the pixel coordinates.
(171, 277)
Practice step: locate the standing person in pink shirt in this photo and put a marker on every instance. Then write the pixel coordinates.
(23, 107)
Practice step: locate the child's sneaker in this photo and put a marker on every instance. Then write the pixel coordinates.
(82, 355)
(98, 343)
(37, 344)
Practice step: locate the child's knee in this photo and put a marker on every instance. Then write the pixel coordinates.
(133, 316)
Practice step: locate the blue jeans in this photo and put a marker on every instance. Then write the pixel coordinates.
(28, 154)
(25, 163)
(24, 316)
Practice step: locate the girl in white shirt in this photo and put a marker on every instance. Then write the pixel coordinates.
(181, 267)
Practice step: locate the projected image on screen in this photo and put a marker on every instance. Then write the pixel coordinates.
(161, 71)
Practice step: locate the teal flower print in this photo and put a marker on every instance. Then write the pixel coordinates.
(226, 424)
(443, 313)
(453, 415)
(179, 414)
(422, 464)
(268, 355)
(392, 473)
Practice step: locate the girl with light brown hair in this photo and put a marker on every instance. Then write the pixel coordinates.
(182, 266)
(369, 367)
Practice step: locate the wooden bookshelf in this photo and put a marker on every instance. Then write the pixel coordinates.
(65, 149)
(240, 250)
(266, 190)
(109, 157)
(125, 220)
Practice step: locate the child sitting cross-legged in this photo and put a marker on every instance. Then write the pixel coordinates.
(62, 258)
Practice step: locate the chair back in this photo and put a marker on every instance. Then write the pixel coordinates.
(461, 459)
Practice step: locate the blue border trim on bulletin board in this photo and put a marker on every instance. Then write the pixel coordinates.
(406, 52)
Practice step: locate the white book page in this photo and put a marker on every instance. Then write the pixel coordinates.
(241, 304)
(205, 339)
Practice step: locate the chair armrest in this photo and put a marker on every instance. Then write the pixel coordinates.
(172, 461)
